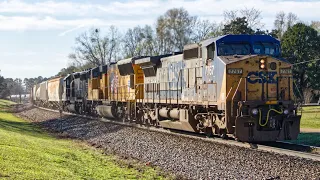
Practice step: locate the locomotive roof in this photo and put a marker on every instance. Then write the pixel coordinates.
(130, 60)
(235, 58)
(153, 60)
(240, 38)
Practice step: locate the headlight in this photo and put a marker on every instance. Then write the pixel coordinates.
(286, 111)
(254, 111)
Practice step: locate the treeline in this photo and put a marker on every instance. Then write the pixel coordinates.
(171, 32)
(9, 86)
(176, 28)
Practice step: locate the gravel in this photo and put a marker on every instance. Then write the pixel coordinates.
(189, 158)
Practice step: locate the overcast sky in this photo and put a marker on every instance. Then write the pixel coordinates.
(37, 36)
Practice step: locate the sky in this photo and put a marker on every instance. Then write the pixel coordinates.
(37, 36)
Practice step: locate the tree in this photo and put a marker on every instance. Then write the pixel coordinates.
(29, 83)
(283, 22)
(68, 70)
(301, 43)
(237, 26)
(274, 33)
(316, 25)
(139, 42)
(252, 15)
(18, 88)
(93, 48)
(4, 91)
(204, 29)
(291, 19)
(174, 30)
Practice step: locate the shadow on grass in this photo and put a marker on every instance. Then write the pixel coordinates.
(15, 108)
(312, 139)
(20, 127)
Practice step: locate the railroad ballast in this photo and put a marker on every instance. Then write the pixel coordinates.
(232, 85)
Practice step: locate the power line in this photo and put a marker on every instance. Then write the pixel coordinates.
(307, 61)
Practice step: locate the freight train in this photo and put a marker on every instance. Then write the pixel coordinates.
(232, 85)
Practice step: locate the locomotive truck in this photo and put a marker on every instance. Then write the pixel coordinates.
(232, 85)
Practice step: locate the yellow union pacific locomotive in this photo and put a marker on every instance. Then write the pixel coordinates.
(233, 85)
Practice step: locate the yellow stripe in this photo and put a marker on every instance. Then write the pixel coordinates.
(272, 102)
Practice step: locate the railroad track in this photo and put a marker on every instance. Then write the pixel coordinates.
(286, 148)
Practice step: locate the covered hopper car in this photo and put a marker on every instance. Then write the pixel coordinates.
(232, 85)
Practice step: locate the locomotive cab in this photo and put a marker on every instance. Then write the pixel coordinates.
(260, 103)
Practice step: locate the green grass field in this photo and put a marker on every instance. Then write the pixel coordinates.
(312, 139)
(310, 120)
(5, 104)
(310, 117)
(27, 152)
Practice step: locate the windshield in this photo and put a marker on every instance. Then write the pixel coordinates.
(265, 48)
(226, 49)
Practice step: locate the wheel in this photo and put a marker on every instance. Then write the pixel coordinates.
(80, 110)
(208, 132)
(223, 134)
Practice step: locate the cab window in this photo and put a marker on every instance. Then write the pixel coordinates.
(226, 49)
(266, 48)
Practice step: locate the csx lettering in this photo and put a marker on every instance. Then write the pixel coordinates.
(259, 77)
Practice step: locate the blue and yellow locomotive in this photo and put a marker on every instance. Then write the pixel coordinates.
(233, 85)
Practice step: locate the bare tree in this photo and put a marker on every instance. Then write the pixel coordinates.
(283, 22)
(316, 25)
(113, 49)
(133, 40)
(292, 19)
(230, 15)
(203, 29)
(280, 23)
(92, 48)
(252, 15)
(139, 42)
(149, 43)
(174, 30)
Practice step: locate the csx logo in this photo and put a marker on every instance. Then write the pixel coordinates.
(259, 77)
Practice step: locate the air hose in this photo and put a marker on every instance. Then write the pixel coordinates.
(279, 112)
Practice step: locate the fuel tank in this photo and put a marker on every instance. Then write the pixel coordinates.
(169, 113)
(107, 111)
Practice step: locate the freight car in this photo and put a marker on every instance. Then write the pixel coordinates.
(233, 85)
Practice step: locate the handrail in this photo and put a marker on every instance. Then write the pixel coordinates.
(234, 94)
(229, 93)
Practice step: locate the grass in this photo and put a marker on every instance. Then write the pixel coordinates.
(27, 152)
(310, 117)
(5, 104)
(311, 139)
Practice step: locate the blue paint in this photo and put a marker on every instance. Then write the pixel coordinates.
(265, 77)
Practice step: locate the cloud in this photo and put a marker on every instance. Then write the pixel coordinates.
(70, 16)
(21, 23)
(46, 7)
(71, 30)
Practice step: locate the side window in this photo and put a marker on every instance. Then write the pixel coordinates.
(210, 51)
(132, 81)
(191, 53)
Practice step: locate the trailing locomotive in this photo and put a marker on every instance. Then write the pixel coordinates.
(233, 85)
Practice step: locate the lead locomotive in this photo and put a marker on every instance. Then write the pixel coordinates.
(233, 85)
